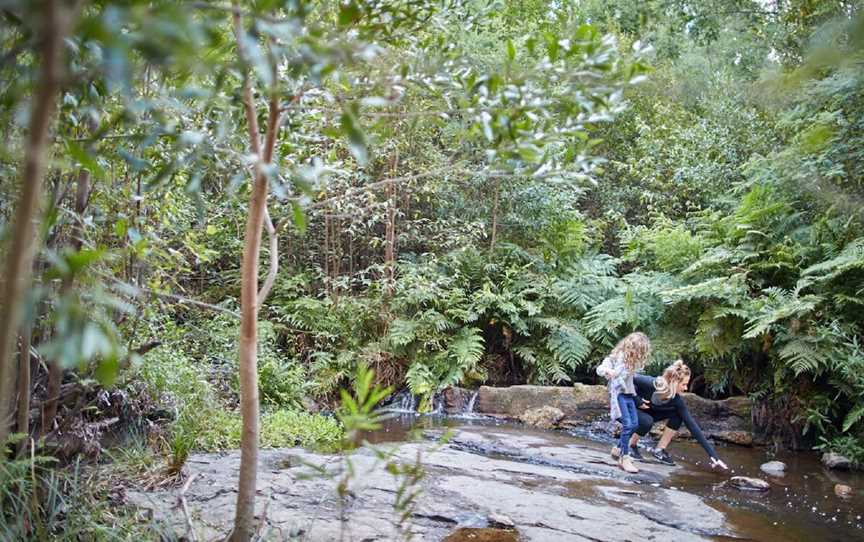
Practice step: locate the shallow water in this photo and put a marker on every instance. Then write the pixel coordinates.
(801, 505)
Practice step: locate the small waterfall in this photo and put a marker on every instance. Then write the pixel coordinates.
(470, 408)
(403, 402)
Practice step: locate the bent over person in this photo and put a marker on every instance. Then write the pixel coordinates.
(660, 399)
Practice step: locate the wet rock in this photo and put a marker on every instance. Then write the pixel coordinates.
(579, 401)
(456, 399)
(741, 438)
(482, 535)
(746, 483)
(836, 461)
(774, 468)
(501, 521)
(842, 490)
(546, 417)
(727, 420)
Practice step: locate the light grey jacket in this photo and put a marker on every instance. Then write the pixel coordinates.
(620, 381)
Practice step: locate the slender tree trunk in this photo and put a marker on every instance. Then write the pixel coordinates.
(495, 216)
(55, 370)
(24, 377)
(19, 264)
(244, 520)
(390, 232)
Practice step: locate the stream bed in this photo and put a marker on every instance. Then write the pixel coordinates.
(800, 506)
(472, 478)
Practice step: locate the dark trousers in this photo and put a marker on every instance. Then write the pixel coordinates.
(669, 412)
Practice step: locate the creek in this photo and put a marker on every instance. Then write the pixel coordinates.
(800, 506)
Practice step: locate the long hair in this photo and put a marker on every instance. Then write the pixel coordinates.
(667, 383)
(635, 349)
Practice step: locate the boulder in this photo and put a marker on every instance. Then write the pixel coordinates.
(727, 420)
(842, 490)
(546, 417)
(456, 399)
(774, 468)
(746, 483)
(579, 401)
(836, 461)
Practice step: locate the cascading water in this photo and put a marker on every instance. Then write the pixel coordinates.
(469, 409)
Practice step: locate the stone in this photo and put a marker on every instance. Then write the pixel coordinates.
(741, 438)
(747, 483)
(728, 420)
(456, 399)
(482, 478)
(774, 468)
(501, 521)
(836, 461)
(546, 417)
(842, 490)
(579, 401)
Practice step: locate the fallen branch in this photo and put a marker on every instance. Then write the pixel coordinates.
(181, 501)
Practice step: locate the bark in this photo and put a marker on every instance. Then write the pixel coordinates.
(24, 377)
(495, 216)
(55, 370)
(19, 263)
(244, 521)
(390, 233)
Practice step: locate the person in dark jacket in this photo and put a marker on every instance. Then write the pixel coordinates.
(660, 399)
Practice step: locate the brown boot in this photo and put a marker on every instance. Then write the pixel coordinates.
(616, 452)
(627, 465)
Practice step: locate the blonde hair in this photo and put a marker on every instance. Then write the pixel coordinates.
(667, 383)
(635, 349)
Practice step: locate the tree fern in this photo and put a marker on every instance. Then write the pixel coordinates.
(778, 305)
(852, 257)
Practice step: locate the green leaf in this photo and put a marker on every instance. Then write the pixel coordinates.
(511, 51)
(356, 138)
(300, 219)
(84, 158)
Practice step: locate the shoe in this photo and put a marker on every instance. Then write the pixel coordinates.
(634, 453)
(663, 457)
(627, 465)
(616, 452)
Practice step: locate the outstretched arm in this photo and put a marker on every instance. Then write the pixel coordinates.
(694, 428)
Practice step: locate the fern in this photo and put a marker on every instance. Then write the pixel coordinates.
(567, 343)
(852, 257)
(779, 305)
(402, 332)
(853, 417)
(466, 347)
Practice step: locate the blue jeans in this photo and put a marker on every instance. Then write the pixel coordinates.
(629, 421)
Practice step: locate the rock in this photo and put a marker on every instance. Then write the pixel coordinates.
(746, 483)
(727, 420)
(546, 417)
(579, 401)
(774, 468)
(501, 521)
(456, 399)
(836, 461)
(741, 438)
(842, 490)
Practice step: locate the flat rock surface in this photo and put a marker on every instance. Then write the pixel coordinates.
(550, 486)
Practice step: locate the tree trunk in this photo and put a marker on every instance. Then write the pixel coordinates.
(495, 216)
(24, 378)
(244, 519)
(390, 232)
(19, 265)
(55, 370)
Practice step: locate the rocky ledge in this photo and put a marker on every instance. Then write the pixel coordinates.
(537, 485)
(728, 420)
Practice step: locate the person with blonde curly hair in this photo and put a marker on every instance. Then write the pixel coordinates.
(660, 399)
(629, 355)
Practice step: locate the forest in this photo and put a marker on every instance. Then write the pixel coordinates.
(244, 225)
